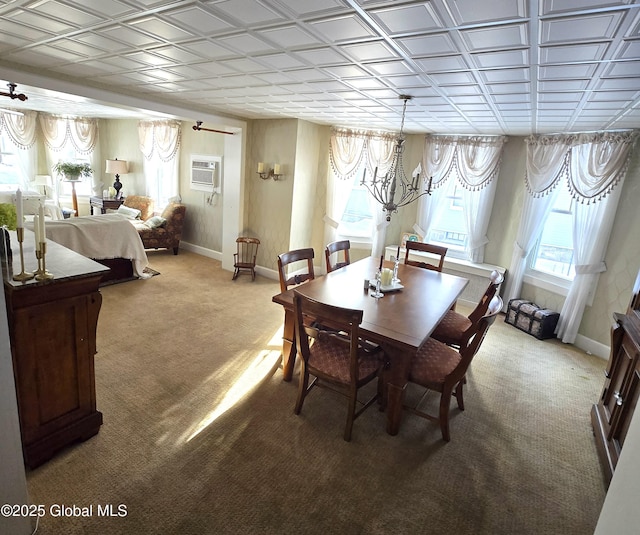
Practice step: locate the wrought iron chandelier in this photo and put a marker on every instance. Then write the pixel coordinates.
(394, 190)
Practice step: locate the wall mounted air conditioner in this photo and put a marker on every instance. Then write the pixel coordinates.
(205, 173)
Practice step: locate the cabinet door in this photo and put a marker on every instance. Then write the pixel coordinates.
(623, 392)
(622, 363)
(627, 406)
(53, 365)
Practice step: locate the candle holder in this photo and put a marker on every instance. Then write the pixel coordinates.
(266, 175)
(41, 253)
(23, 275)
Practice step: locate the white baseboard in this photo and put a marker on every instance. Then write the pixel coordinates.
(592, 347)
(209, 253)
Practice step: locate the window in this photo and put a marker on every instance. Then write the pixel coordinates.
(450, 228)
(553, 253)
(10, 172)
(82, 187)
(357, 219)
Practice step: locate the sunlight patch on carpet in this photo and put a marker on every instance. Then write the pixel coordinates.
(263, 366)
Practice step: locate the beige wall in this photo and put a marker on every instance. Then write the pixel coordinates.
(203, 224)
(268, 203)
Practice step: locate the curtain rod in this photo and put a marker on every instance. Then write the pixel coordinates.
(197, 128)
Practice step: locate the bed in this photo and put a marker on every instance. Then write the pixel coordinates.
(109, 239)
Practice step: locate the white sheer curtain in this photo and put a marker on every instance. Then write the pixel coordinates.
(594, 166)
(346, 153)
(380, 152)
(437, 162)
(349, 152)
(474, 162)
(478, 163)
(159, 144)
(81, 133)
(598, 165)
(547, 163)
(21, 130)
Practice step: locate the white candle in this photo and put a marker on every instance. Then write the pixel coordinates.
(276, 169)
(260, 167)
(19, 210)
(43, 235)
(36, 229)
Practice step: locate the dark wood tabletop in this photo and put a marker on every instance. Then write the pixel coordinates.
(400, 322)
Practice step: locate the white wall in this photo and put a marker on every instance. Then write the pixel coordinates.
(13, 484)
(620, 513)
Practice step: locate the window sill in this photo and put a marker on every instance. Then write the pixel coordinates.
(454, 264)
(549, 283)
(357, 243)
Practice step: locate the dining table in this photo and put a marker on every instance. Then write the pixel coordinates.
(400, 322)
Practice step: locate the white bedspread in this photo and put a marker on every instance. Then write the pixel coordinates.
(100, 236)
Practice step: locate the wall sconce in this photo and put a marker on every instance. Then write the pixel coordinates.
(271, 173)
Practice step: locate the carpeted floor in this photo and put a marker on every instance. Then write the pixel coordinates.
(199, 434)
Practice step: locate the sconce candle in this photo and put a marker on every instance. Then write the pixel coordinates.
(260, 167)
(276, 169)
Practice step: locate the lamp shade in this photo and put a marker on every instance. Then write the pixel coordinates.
(42, 180)
(117, 167)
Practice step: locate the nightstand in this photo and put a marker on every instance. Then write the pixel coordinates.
(104, 204)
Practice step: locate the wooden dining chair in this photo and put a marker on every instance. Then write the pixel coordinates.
(335, 248)
(336, 359)
(455, 329)
(244, 259)
(443, 369)
(297, 255)
(437, 250)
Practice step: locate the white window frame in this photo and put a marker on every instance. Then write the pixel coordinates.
(541, 279)
(455, 251)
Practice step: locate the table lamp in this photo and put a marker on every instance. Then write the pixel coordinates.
(117, 167)
(44, 181)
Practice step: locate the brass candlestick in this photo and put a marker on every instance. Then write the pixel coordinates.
(41, 253)
(22, 276)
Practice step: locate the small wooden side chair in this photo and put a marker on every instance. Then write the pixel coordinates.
(336, 247)
(245, 257)
(455, 329)
(336, 358)
(425, 248)
(290, 257)
(441, 368)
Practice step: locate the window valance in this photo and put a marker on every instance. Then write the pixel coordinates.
(475, 159)
(161, 137)
(81, 132)
(349, 149)
(592, 164)
(21, 129)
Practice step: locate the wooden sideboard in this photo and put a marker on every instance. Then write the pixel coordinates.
(52, 328)
(612, 414)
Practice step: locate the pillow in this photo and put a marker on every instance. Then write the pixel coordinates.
(129, 213)
(155, 222)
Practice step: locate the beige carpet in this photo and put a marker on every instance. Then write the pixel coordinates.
(199, 434)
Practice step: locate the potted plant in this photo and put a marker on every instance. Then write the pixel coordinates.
(73, 170)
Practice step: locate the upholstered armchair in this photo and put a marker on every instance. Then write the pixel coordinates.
(142, 203)
(168, 232)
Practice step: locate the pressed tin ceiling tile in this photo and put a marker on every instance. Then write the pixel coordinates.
(491, 66)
